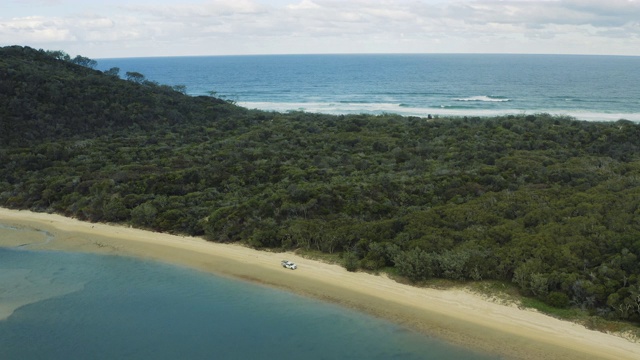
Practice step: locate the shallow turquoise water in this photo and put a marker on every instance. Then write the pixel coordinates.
(86, 306)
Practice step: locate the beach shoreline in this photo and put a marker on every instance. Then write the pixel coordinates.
(454, 315)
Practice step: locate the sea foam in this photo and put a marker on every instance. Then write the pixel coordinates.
(484, 99)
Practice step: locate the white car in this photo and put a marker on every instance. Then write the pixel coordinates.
(288, 264)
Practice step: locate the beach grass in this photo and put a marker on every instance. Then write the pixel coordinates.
(508, 294)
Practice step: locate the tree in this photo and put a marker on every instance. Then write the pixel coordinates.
(114, 71)
(558, 299)
(350, 261)
(84, 61)
(180, 88)
(415, 264)
(115, 210)
(144, 215)
(59, 55)
(135, 76)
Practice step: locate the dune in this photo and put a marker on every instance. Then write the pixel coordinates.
(454, 315)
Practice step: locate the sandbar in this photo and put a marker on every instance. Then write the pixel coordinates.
(454, 315)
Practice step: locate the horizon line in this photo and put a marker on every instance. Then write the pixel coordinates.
(363, 54)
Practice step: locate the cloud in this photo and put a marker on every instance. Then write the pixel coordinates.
(304, 5)
(570, 12)
(35, 28)
(198, 10)
(250, 26)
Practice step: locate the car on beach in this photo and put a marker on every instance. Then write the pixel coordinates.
(288, 264)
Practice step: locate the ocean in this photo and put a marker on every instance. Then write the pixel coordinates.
(595, 88)
(87, 306)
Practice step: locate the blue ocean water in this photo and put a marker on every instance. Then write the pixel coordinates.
(600, 88)
(85, 306)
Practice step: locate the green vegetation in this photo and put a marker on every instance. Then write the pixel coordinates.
(549, 204)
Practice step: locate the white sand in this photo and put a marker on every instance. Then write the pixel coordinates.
(455, 315)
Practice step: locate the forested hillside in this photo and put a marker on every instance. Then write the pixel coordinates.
(551, 204)
(45, 97)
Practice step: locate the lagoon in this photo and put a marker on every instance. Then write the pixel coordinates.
(81, 306)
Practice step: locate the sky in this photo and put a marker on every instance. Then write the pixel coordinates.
(133, 28)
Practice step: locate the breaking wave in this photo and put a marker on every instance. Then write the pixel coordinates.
(484, 99)
(344, 108)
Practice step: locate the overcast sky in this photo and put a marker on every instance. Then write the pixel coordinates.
(125, 28)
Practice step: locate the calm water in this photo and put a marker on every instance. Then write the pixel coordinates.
(84, 306)
(586, 87)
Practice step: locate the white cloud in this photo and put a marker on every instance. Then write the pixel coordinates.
(304, 5)
(35, 28)
(164, 27)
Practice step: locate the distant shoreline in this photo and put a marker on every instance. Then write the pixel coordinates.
(453, 315)
(406, 110)
(408, 84)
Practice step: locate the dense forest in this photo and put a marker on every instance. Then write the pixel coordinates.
(549, 203)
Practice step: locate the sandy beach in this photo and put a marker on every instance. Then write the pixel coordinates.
(457, 316)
